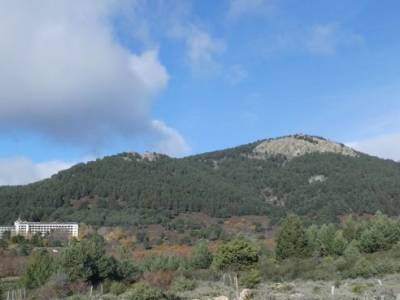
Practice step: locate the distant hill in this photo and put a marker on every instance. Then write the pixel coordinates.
(300, 174)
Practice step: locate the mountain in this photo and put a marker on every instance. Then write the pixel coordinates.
(301, 174)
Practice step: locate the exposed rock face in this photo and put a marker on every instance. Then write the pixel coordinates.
(317, 178)
(149, 156)
(298, 145)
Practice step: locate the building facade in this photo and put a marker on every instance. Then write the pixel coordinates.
(30, 228)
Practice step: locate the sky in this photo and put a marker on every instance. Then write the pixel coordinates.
(81, 80)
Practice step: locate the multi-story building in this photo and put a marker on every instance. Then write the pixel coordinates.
(30, 228)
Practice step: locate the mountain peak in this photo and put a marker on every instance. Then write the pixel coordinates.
(298, 145)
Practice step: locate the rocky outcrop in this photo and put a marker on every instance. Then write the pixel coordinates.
(297, 145)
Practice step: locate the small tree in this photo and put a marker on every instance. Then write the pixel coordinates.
(86, 260)
(326, 235)
(291, 240)
(201, 257)
(339, 243)
(236, 255)
(40, 268)
(352, 253)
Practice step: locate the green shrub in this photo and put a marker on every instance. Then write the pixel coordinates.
(202, 257)
(117, 288)
(359, 288)
(40, 268)
(141, 291)
(384, 266)
(395, 251)
(250, 279)
(182, 284)
(162, 263)
(236, 255)
(341, 264)
(291, 240)
(352, 252)
(362, 268)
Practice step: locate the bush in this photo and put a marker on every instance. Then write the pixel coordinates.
(117, 288)
(236, 255)
(359, 288)
(159, 279)
(362, 268)
(41, 267)
(396, 250)
(162, 263)
(250, 279)
(384, 267)
(142, 291)
(291, 240)
(86, 260)
(202, 257)
(182, 284)
(352, 253)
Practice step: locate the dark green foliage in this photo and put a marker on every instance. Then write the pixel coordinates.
(40, 268)
(86, 260)
(201, 257)
(362, 268)
(117, 288)
(3, 244)
(250, 279)
(379, 234)
(236, 255)
(182, 284)
(291, 240)
(163, 263)
(127, 189)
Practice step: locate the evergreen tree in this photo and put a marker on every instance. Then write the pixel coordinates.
(291, 240)
(236, 255)
(326, 235)
(339, 243)
(201, 257)
(41, 267)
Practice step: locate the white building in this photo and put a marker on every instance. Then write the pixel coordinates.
(30, 228)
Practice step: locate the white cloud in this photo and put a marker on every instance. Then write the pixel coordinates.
(240, 8)
(384, 146)
(64, 74)
(21, 170)
(202, 49)
(171, 141)
(325, 39)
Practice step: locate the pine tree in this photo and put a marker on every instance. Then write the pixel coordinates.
(291, 241)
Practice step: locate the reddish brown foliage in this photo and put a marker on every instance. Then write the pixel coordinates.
(159, 279)
(12, 265)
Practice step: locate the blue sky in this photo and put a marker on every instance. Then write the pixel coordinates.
(82, 80)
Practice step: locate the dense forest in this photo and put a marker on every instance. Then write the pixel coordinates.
(129, 188)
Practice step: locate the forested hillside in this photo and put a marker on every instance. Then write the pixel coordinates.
(300, 174)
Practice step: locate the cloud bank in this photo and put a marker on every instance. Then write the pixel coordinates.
(384, 146)
(21, 170)
(65, 75)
